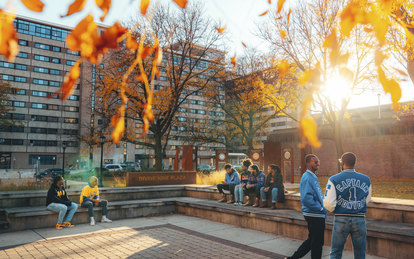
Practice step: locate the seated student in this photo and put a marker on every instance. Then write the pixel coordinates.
(244, 177)
(90, 197)
(230, 181)
(255, 182)
(273, 185)
(57, 200)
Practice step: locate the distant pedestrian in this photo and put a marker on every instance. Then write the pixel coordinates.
(244, 177)
(311, 197)
(347, 195)
(90, 198)
(57, 200)
(274, 186)
(255, 182)
(230, 181)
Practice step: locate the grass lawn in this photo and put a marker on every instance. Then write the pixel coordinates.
(381, 187)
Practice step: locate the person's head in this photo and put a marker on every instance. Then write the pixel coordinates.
(312, 162)
(348, 160)
(273, 169)
(58, 180)
(246, 163)
(227, 167)
(254, 169)
(93, 181)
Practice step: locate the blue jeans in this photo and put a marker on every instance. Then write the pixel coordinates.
(263, 194)
(238, 193)
(61, 209)
(343, 226)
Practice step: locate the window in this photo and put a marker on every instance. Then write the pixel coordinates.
(54, 83)
(6, 64)
(201, 112)
(71, 108)
(53, 107)
(212, 113)
(193, 111)
(55, 60)
(21, 92)
(181, 128)
(221, 97)
(70, 120)
(7, 77)
(23, 55)
(42, 58)
(23, 42)
(54, 72)
(202, 76)
(193, 101)
(39, 106)
(12, 129)
(21, 67)
(182, 119)
(39, 93)
(220, 114)
(38, 130)
(201, 102)
(52, 119)
(5, 141)
(52, 131)
(41, 70)
(40, 81)
(180, 109)
(76, 53)
(74, 98)
(20, 79)
(102, 66)
(19, 104)
(17, 116)
(42, 46)
(70, 62)
(42, 159)
(38, 118)
(56, 49)
(163, 78)
(70, 132)
(281, 123)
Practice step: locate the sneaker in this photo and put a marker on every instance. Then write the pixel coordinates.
(236, 203)
(105, 220)
(230, 201)
(59, 226)
(223, 199)
(68, 225)
(92, 222)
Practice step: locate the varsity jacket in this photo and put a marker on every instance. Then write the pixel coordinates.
(348, 193)
(89, 193)
(233, 178)
(311, 196)
(258, 180)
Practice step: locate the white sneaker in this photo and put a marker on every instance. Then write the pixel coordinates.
(92, 221)
(105, 220)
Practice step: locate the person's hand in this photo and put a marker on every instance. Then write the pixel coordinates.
(224, 182)
(266, 189)
(248, 186)
(96, 202)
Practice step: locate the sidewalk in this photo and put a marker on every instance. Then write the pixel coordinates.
(150, 237)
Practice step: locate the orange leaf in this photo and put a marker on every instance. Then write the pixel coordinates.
(390, 86)
(288, 16)
(67, 87)
(244, 44)
(220, 30)
(181, 3)
(118, 122)
(34, 5)
(308, 130)
(131, 43)
(283, 68)
(379, 57)
(280, 4)
(75, 7)
(233, 61)
(354, 13)
(105, 5)
(8, 37)
(111, 37)
(263, 14)
(282, 34)
(146, 52)
(144, 6)
(84, 37)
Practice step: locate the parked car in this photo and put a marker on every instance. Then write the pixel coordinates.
(50, 173)
(113, 167)
(204, 168)
(132, 166)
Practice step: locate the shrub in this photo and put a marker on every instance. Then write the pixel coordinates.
(214, 178)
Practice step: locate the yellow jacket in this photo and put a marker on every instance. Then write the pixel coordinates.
(89, 193)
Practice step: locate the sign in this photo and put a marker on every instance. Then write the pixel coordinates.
(160, 178)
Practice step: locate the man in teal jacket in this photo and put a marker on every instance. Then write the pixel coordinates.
(311, 197)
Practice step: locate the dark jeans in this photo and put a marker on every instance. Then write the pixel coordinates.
(90, 204)
(255, 190)
(229, 187)
(314, 243)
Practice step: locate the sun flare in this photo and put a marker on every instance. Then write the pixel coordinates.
(336, 90)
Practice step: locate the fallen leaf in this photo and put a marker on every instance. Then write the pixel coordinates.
(280, 4)
(220, 30)
(181, 3)
(75, 7)
(8, 37)
(34, 5)
(144, 6)
(104, 5)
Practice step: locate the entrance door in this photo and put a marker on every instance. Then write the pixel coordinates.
(287, 165)
(5, 160)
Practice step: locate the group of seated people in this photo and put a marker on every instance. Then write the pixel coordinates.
(57, 200)
(254, 184)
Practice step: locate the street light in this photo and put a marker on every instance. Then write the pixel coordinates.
(63, 164)
(102, 138)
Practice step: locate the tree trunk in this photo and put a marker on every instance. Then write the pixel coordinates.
(338, 143)
(410, 58)
(158, 152)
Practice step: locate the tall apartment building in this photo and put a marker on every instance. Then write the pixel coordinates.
(46, 127)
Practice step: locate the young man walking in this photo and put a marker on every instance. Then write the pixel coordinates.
(347, 195)
(311, 197)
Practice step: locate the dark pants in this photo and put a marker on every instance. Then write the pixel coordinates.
(314, 243)
(90, 204)
(255, 190)
(229, 187)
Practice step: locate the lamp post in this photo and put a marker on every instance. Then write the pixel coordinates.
(63, 164)
(102, 138)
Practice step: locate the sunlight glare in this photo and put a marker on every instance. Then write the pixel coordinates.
(336, 90)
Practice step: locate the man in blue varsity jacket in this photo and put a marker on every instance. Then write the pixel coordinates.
(311, 197)
(347, 195)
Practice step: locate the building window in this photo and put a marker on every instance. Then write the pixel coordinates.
(181, 128)
(23, 42)
(41, 70)
(163, 78)
(70, 120)
(38, 118)
(56, 49)
(71, 108)
(42, 159)
(181, 119)
(76, 53)
(201, 112)
(193, 111)
(21, 67)
(42, 46)
(23, 55)
(54, 83)
(5, 141)
(53, 107)
(39, 93)
(42, 58)
(38, 130)
(180, 109)
(40, 81)
(21, 92)
(19, 104)
(39, 106)
(74, 98)
(70, 62)
(52, 119)
(16, 116)
(55, 60)
(20, 79)
(54, 72)
(201, 102)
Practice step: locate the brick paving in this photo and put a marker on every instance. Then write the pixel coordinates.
(163, 241)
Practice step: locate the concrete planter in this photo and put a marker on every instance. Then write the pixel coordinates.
(159, 178)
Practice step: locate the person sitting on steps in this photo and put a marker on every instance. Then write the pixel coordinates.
(244, 177)
(273, 185)
(255, 182)
(90, 197)
(230, 181)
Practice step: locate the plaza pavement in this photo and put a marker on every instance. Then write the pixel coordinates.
(167, 236)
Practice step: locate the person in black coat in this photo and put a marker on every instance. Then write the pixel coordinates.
(273, 185)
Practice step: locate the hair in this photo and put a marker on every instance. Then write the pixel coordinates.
(93, 179)
(275, 168)
(227, 166)
(247, 162)
(255, 167)
(349, 159)
(308, 157)
(56, 179)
